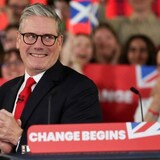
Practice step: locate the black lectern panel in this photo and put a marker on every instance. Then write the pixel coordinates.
(86, 156)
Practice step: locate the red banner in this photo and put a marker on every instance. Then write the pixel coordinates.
(114, 83)
(94, 137)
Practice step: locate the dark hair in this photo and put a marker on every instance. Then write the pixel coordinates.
(1, 56)
(1, 47)
(12, 26)
(7, 2)
(151, 49)
(51, 2)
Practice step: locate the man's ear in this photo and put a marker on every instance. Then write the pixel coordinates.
(60, 40)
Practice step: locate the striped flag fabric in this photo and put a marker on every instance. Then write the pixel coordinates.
(83, 16)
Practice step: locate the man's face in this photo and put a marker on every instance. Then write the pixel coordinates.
(38, 57)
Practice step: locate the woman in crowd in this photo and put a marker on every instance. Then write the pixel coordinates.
(77, 52)
(10, 37)
(138, 50)
(12, 65)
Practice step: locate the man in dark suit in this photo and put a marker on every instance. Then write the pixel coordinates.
(68, 96)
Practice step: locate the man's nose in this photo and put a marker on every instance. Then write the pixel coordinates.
(38, 43)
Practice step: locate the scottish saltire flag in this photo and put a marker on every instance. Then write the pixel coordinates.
(94, 14)
(83, 16)
(142, 129)
(146, 76)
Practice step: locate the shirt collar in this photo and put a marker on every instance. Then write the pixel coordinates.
(36, 77)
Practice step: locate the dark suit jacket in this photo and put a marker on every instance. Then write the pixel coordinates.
(73, 99)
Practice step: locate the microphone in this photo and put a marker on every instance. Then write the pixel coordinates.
(50, 105)
(134, 90)
(20, 99)
(49, 108)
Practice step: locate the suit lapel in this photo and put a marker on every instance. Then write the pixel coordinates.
(10, 99)
(48, 81)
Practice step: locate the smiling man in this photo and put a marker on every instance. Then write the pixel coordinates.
(48, 92)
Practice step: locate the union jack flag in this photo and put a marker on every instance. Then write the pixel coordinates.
(146, 76)
(142, 129)
(83, 16)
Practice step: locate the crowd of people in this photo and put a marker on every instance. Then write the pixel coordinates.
(132, 40)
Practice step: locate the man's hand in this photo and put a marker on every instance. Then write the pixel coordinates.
(10, 129)
(6, 147)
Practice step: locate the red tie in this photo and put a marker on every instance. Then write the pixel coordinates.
(23, 97)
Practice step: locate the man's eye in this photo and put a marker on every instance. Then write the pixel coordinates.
(30, 36)
(49, 37)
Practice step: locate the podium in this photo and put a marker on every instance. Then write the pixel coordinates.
(100, 137)
(103, 141)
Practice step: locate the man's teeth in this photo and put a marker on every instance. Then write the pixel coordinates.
(38, 55)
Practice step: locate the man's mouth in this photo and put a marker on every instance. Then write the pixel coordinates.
(38, 55)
